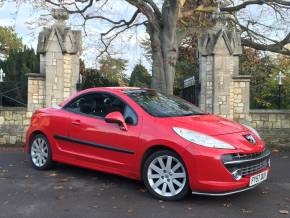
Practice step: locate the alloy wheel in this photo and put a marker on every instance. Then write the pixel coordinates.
(39, 152)
(166, 176)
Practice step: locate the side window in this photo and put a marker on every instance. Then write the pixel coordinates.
(85, 104)
(101, 104)
(130, 116)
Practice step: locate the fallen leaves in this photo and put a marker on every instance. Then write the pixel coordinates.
(52, 175)
(95, 206)
(60, 197)
(58, 187)
(130, 210)
(246, 211)
(284, 157)
(228, 204)
(64, 180)
(284, 212)
(142, 190)
(275, 151)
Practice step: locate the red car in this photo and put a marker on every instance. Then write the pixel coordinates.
(138, 133)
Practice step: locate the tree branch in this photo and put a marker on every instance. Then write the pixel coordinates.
(154, 7)
(107, 45)
(112, 21)
(124, 23)
(145, 9)
(275, 47)
(255, 2)
(84, 9)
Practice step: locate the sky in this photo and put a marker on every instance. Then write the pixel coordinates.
(28, 22)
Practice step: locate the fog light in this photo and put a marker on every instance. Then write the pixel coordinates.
(237, 174)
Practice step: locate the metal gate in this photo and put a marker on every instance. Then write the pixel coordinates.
(14, 96)
(191, 90)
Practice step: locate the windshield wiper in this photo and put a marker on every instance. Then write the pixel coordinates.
(192, 114)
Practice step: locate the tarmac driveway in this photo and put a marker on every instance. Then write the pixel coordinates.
(75, 192)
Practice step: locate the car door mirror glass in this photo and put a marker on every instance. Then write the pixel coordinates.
(117, 117)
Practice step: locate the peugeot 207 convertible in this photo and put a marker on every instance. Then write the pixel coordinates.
(163, 140)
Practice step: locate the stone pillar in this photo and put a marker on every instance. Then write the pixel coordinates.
(219, 51)
(35, 96)
(59, 48)
(240, 98)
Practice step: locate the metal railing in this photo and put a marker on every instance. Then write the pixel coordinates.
(9, 98)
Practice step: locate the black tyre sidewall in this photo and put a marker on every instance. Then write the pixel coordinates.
(49, 162)
(145, 167)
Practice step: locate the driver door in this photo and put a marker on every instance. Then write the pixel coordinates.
(94, 141)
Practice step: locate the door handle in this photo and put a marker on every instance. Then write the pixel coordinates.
(76, 122)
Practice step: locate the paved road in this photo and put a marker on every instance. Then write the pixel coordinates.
(74, 192)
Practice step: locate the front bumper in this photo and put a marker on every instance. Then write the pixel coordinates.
(210, 173)
(224, 193)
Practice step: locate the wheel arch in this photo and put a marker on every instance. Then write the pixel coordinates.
(34, 133)
(153, 149)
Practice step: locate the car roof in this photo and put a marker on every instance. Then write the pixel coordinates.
(110, 89)
(115, 89)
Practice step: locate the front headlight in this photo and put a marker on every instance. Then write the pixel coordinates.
(252, 130)
(201, 139)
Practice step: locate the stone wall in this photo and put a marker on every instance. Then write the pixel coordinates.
(13, 124)
(273, 125)
(267, 119)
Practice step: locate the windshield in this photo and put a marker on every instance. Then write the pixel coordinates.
(160, 105)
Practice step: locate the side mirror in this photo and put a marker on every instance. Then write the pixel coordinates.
(117, 117)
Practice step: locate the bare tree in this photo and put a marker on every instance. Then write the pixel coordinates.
(162, 19)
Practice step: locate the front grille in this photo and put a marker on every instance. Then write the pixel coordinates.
(248, 164)
(240, 156)
(254, 168)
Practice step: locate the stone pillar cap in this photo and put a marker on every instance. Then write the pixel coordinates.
(59, 14)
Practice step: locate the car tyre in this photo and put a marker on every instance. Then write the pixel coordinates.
(165, 176)
(40, 152)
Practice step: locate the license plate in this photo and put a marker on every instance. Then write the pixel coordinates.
(256, 179)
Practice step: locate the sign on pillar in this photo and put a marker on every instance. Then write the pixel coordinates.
(2, 75)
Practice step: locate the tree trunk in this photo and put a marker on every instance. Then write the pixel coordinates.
(164, 48)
